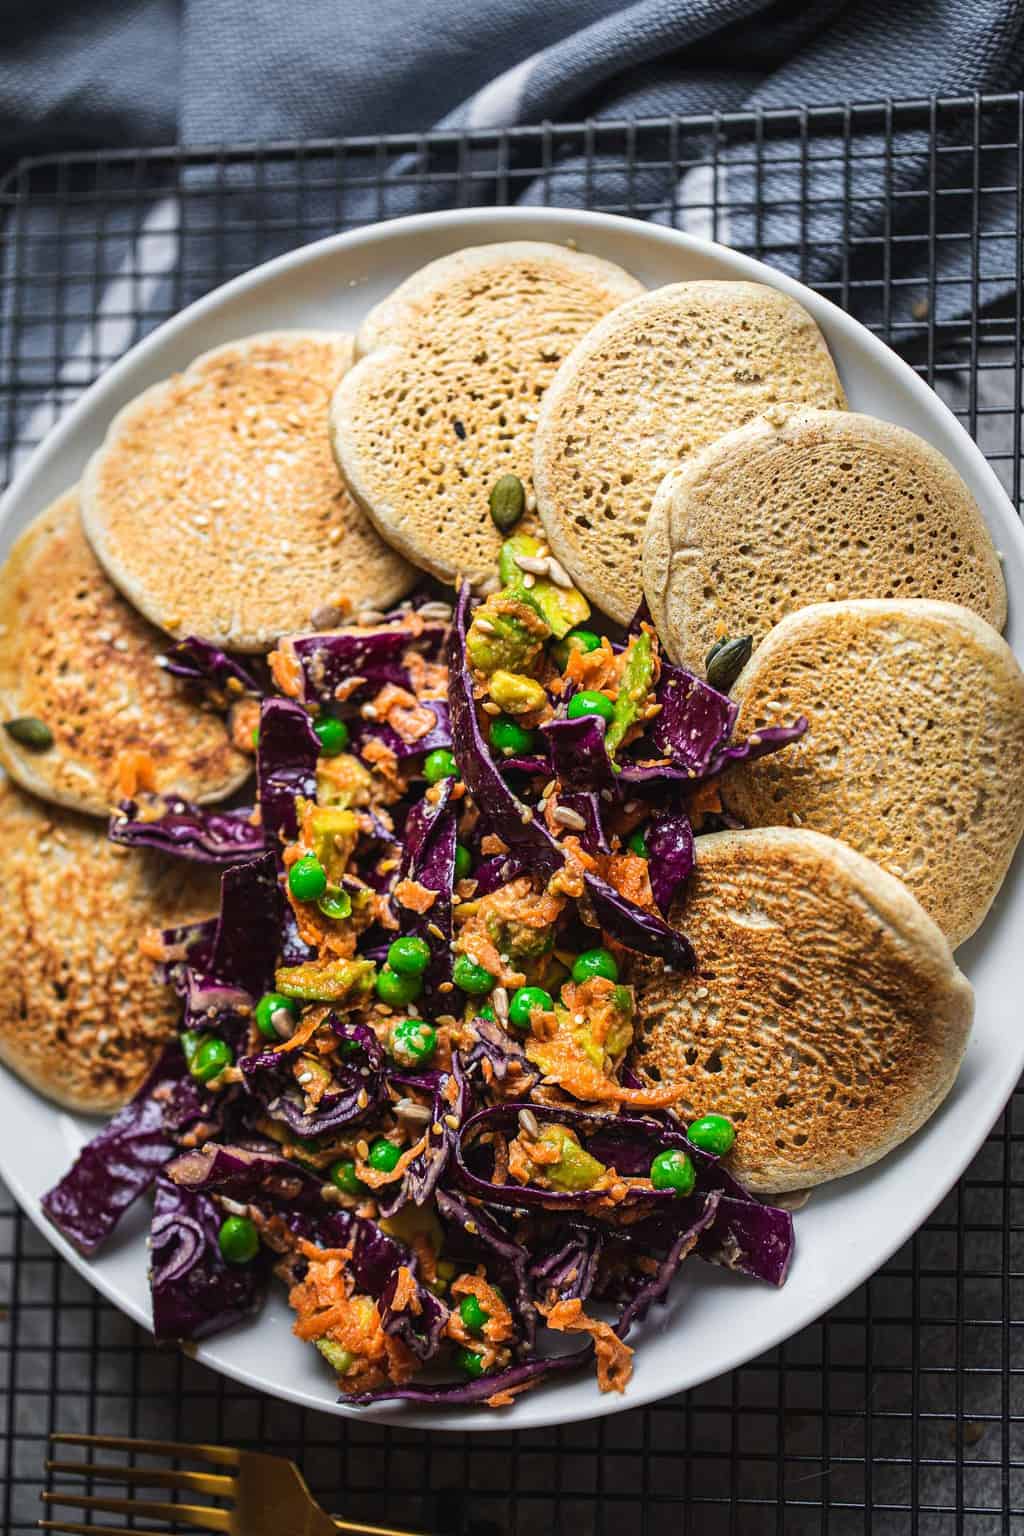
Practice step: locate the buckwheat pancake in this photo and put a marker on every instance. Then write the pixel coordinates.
(444, 401)
(649, 387)
(806, 506)
(915, 748)
(81, 1012)
(215, 506)
(826, 1016)
(76, 656)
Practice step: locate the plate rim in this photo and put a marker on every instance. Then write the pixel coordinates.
(472, 224)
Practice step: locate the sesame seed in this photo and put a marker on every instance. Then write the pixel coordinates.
(490, 708)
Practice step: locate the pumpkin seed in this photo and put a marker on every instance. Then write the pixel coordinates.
(728, 661)
(29, 732)
(507, 502)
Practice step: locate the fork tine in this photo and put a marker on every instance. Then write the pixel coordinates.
(207, 1519)
(215, 1455)
(149, 1477)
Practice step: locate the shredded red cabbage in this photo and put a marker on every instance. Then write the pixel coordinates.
(356, 1093)
(286, 759)
(516, 824)
(217, 672)
(120, 1163)
(331, 657)
(195, 832)
(195, 1292)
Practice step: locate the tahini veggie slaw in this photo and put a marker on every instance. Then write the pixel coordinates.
(403, 1070)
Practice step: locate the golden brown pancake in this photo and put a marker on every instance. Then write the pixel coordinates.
(915, 750)
(805, 506)
(826, 1016)
(215, 506)
(76, 656)
(649, 387)
(444, 401)
(82, 1015)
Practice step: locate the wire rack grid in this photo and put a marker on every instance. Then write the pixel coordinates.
(903, 1409)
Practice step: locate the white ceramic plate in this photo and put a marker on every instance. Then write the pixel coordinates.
(714, 1321)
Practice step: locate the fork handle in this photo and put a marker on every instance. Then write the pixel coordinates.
(357, 1528)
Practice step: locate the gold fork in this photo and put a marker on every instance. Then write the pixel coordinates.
(266, 1495)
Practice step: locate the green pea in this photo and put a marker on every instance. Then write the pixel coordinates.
(637, 843)
(488, 1013)
(595, 962)
(439, 764)
(589, 702)
(384, 1155)
(473, 1314)
(238, 1240)
(333, 735)
(712, 1133)
(524, 1001)
(413, 1042)
(673, 1170)
(463, 861)
(472, 978)
(272, 1003)
(344, 1177)
(576, 640)
(210, 1059)
(511, 739)
(335, 903)
(307, 878)
(470, 1363)
(397, 990)
(255, 736)
(409, 956)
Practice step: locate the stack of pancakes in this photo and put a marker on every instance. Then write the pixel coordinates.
(692, 443)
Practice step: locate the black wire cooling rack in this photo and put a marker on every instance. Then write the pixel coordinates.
(903, 1409)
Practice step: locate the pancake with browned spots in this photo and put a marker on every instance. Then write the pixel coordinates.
(76, 656)
(826, 1016)
(216, 507)
(82, 1013)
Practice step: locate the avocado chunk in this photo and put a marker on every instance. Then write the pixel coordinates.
(339, 1359)
(331, 981)
(507, 633)
(575, 1169)
(335, 831)
(637, 678)
(516, 693)
(343, 781)
(562, 608)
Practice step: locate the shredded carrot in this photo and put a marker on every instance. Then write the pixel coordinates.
(286, 670)
(135, 770)
(414, 896)
(614, 1358)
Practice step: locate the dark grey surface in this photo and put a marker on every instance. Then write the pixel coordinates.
(903, 1410)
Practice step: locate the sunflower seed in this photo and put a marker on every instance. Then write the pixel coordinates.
(370, 616)
(499, 1002)
(569, 818)
(558, 573)
(442, 611)
(415, 1114)
(325, 616)
(528, 1124)
(533, 563)
(484, 626)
